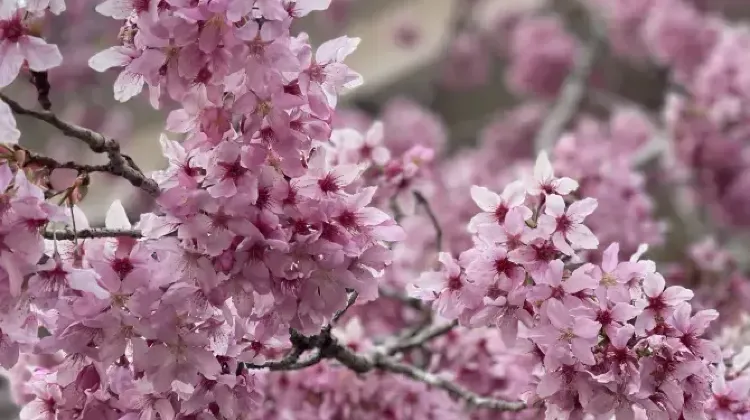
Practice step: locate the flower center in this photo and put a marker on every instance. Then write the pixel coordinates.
(328, 184)
(122, 266)
(12, 30)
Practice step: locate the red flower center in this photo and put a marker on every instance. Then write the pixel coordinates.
(328, 184)
(233, 170)
(454, 283)
(122, 266)
(12, 29)
(564, 223)
(500, 212)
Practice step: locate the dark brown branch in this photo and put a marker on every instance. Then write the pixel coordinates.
(329, 348)
(70, 235)
(97, 142)
(48, 162)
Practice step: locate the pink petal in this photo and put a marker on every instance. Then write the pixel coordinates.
(111, 57)
(128, 85)
(609, 259)
(558, 314)
(8, 131)
(560, 243)
(579, 281)
(549, 384)
(179, 121)
(11, 60)
(484, 198)
(543, 168)
(85, 281)
(117, 9)
(582, 351)
(586, 328)
(580, 209)
(566, 186)
(676, 294)
(653, 284)
(554, 206)
(40, 55)
(623, 312)
(582, 237)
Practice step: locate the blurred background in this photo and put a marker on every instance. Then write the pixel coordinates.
(435, 71)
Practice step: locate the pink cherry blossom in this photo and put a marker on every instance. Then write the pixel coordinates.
(566, 225)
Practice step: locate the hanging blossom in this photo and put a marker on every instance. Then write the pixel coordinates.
(257, 229)
(612, 340)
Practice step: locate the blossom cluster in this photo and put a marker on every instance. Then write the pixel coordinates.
(609, 338)
(257, 228)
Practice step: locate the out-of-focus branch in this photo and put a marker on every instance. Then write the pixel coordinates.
(573, 91)
(420, 338)
(70, 235)
(433, 219)
(474, 400)
(406, 300)
(119, 164)
(349, 302)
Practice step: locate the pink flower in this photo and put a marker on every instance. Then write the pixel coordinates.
(570, 290)
(566, 334)
(301, 8)
(545, 182)
(658, 302)
(566, 226)
(122, 9)
(129, 83)
(325, 180)
(325, 74)
(496, 207)
(17, 46)
(689, 329)
(449, 289)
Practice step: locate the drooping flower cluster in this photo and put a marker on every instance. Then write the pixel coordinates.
(257, 228)
(611, 339)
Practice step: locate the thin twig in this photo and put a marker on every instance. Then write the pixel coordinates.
(433, 219)
(50, 163)
(70, 235)
(349, 302)
(406, 300)
(420, 338)
(573, 91)
(97, 142)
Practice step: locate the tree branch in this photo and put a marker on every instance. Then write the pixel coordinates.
(69, 235)
(420, 338)
(329, 348)
(97, 142)
(48, 162)
(351, 298)
(474, 400)
(573, 91)
(406, 300)
(433, 219)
